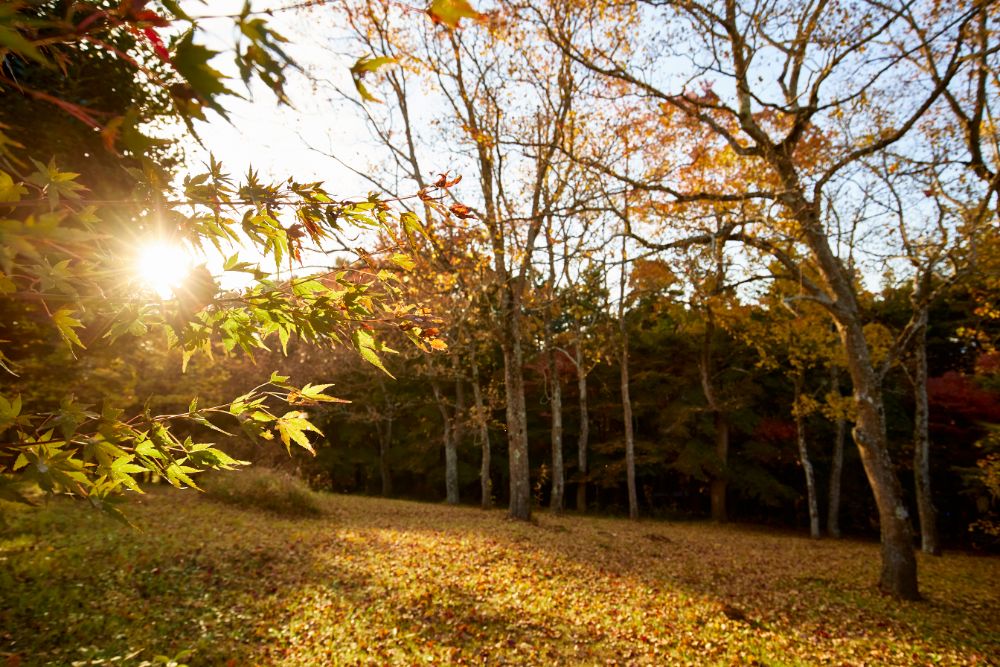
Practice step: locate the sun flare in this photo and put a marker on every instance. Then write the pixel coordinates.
(162, 267)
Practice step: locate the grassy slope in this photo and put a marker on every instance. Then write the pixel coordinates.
(379, 582)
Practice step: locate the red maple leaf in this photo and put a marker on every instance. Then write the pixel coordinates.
(443, 182)
(462, 211)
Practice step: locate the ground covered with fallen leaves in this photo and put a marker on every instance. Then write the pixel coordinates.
(390, 582)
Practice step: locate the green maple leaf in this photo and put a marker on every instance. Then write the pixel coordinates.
(292, 427)
(366, 65)
(10, 191)
(191, 62)
(368, 349)
(67, 325)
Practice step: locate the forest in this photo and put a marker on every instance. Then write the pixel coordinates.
(701, 297)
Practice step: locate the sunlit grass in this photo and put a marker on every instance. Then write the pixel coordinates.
(389, 582)
(268, 490)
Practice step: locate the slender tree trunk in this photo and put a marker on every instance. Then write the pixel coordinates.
(584, 435)
(706, 367)
(383, 428)
(517, 426)
(558, 473)
(807, 467)
(633, 499)
(384, 442)
(922, 443)
(719, 485)
(837, 464)
(450, 455)
(486, 482)
(555, 384)
(457, 431)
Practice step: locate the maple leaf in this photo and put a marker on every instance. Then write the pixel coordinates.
(204, 82)
(292, 427)
(363, 66)
(66, 323)
(451, 12)
(443, 182)
(462, 211)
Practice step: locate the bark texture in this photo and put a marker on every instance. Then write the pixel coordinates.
(555, 384)
(633, 499)
(899, 564)
(457, 431)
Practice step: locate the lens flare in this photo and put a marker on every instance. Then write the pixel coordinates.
(162, 267)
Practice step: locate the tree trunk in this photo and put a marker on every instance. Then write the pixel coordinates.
(555, 384)
(384, 442)
(558, 474)
(837, 464)
(486, 483)
(457, 431)
(922, 443)
(450, 455)
(807, 467)
(517, 427)
(584, 435)
(717, 490)
(633, 499)
(706, 368)
(899, 563)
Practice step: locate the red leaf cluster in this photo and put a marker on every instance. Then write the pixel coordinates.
(771, 429)
(956, 395)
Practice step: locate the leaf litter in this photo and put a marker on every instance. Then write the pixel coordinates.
(373, 582)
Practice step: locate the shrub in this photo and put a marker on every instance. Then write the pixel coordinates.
(264, 489)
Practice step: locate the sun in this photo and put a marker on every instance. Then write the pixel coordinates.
(162, 267)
